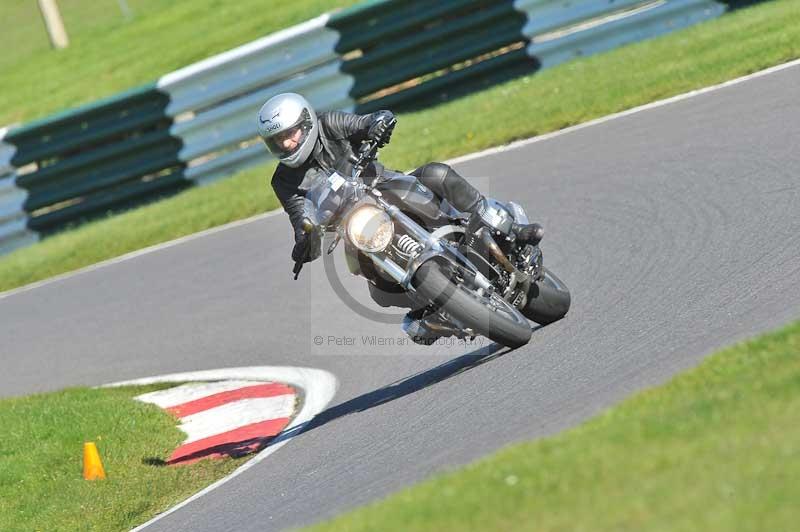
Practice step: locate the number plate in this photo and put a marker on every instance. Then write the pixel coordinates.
(336, 181)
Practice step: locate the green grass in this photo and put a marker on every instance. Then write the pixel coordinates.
(41, 483)
(736, 44)
(22, 24)
(108, 54)
(715, 449)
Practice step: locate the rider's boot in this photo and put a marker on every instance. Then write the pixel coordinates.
(528, 233)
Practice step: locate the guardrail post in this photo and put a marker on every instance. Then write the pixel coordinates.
(54, 24)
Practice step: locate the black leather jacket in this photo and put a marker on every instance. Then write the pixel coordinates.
(340, 136)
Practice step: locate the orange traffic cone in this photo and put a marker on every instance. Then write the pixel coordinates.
(92, 466)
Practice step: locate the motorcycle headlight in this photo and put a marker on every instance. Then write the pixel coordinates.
(370, 229)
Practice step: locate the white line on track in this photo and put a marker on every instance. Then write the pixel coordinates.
(464, 158)
(139, 253)
(318, 388)
(646, 107)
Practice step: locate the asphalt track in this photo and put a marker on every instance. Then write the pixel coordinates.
(677, 229)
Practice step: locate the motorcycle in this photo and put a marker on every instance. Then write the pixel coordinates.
(463, 275)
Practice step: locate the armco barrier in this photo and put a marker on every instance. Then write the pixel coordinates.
(197, 124)
(106, 156)
(219, 97)
(421, 42)
(14, 232)
(589, 27)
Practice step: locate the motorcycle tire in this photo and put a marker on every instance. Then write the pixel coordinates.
(548, 300)
(506, 325)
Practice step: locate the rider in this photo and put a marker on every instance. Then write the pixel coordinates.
(307, 145)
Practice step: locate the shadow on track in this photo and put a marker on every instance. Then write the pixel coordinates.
(398, 389)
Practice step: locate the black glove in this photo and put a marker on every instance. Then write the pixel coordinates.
(299, 249)
(307, 244)
(382, 126)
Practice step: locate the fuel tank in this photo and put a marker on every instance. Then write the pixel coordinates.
(414, 198)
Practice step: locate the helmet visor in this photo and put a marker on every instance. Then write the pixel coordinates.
(288, 141)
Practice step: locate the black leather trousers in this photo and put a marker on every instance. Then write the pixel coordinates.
(448, 184)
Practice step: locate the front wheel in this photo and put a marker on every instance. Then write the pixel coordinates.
(492, 316)
(548, 300)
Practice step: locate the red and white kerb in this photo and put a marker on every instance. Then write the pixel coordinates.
(225, 418)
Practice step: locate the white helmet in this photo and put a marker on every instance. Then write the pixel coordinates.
(288, 125)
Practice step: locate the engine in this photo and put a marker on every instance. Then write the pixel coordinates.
(496, 216)
(495, 250)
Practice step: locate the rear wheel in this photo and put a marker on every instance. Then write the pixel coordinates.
(490, 316)
(548, 300)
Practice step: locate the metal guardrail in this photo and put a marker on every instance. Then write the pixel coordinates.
(418, 44)
(13, 219)
(6, 154)
(107, 156)
(219, 97)
(197, 124)
(590, 27)
(250, 67)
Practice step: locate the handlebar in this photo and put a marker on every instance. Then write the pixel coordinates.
(367, 153)
(296, 270)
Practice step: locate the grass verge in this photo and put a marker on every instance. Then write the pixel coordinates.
(715, 449)
(109, 53)
(41, 485)
(734, 45)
